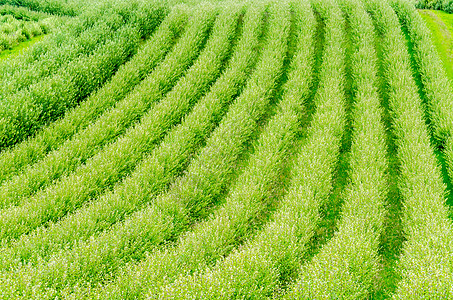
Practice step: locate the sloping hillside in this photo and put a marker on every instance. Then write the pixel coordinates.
(227, 150)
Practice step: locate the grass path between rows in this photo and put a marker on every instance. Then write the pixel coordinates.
(441, 26)
(16, 50)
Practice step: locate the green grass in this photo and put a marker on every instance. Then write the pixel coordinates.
(15, 51)
(274, 148)
(441, 26)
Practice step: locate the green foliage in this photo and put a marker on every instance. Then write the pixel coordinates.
(14, 31)
(74, 69)
(425, 273)
(210, 170)
(73, 39)
(244, 209)
(445, 5)
(151, 128)
(30, 109)
(348, 264)
(19, 49)
(115, 161)
(66, 7)
(152, 150)
(253, 190)
(150, 177)
(22, 13)
(14, 160)
(441, 28)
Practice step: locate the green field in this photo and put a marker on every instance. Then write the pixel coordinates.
(265, 149)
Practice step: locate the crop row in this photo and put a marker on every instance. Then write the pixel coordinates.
(28, 110)
(84, 130)
(118, 159)
(183, 95)
(72, 39)
(14, 31)
(70, 7)
(43, 66)
(424, 265)
(136, 225)
(22, 13)
(186, 171)
(246, 205)
(78, 225)
(445, 5)
(261, 267)
(165, 273)
(212, 149)
(47, 98)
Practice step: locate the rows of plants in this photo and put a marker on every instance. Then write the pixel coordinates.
(424, 267)
(23, 13)
(135, 225)
(14, 31)
(355, 244)
(150, 151)
(445, 5)
(87, 114)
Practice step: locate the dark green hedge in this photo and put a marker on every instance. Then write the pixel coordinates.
(445, 5)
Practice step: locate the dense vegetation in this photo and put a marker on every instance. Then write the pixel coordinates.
(225, 150)
(17, 26)
(445, 5)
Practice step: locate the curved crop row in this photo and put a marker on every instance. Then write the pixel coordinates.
(425, 265)
(14, 160)
(26, 112)
(435, 81)
(265, 263)
(245, 207)
(436, 85)
(206, 175)
(145, 15)
(77, 38)
(29, 110)
(155, 172)
(347, 266)
(14, 31)
(67, 31)
(120, 158)
(70, 8)
(113, 123)
(67, 7)
(52, 61)
(22, 13)
(445, 5)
